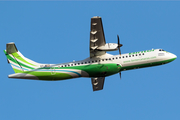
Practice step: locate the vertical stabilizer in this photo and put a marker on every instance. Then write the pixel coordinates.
(18, 62)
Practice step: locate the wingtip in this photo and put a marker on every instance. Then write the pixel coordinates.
(11, 43)
(96, 17)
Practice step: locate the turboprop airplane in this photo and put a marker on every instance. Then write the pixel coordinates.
(97, 66)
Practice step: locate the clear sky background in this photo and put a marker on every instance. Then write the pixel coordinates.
(56, 32)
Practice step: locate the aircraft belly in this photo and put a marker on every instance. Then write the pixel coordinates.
(49, 76)
(23, 76)
(61, 74)
(102, 70)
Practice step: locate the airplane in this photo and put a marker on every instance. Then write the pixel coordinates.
(97, 66)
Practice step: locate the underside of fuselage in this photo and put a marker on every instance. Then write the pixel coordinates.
(56, 73)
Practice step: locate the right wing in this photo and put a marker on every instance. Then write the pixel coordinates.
(97, 83)
(97, 37)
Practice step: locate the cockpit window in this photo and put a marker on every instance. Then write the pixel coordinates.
(161, 50)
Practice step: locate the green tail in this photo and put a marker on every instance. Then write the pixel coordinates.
(18, 62)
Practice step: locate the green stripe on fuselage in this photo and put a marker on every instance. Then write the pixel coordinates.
(49, 75)
(17, 62)
(97, 70)
(94, 70)
(16, 55)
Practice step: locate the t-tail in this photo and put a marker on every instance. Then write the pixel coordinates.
(19, 63)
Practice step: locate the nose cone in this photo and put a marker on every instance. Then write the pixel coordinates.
(173, 57)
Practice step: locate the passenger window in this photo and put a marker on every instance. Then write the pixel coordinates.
(113, 58)
(139, 54)
(102, 59)
(129, 55)
(143, 54)
(126, 56)
(123, 57)
(85, 62)
(116, 57)
(109, 58)
(136, 54)
(89, 62)
(119, 57)
(133, 55)
(92, 61)
(71, 64)
(82, 63)
(78, 63)
(64, 65)
(96, 61)
(106, 59)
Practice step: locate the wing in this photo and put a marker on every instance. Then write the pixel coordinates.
(97, 83)
(97, 37)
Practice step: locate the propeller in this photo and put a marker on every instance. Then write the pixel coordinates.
(119, 45)
(120, 74)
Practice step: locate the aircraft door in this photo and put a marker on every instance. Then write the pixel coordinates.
(53, 71)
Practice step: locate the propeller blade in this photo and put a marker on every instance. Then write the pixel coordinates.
(118, 39)
(119, 50)
(120, 74)
(119, 45)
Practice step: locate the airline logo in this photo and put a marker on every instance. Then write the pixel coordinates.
(141, 52)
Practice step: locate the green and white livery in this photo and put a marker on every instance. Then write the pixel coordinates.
(99, 65)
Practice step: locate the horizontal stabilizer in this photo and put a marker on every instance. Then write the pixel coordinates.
(11, 48)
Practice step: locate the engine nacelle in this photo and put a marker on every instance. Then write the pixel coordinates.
(108, 47)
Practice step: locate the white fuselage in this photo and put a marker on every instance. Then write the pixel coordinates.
(126, 60)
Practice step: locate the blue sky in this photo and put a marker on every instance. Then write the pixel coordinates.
(56, 32)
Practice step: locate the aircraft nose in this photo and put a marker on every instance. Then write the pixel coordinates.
(173, 56)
